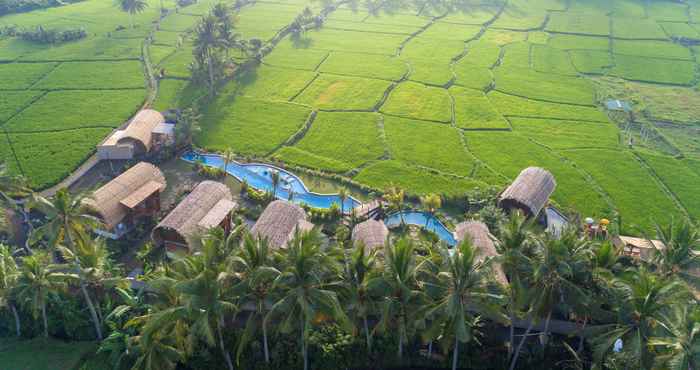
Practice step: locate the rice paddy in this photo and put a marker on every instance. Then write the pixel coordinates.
(417, 97)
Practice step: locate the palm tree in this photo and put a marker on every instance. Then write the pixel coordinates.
(681, 343)
(462, 288)
(68, 223)
(681, 242)
(255, 274)
(188, 125)
(9, 273)
(206, 42)
(227, 37)
(11, 186)
(362, 266)
(304, 286)
(641, 299)
(37, 280)
(158, 351)
(228, 156)
(132, 7)
(395, 196)
(343, 194)
(275, 178)
(431, 203)
(397, 285)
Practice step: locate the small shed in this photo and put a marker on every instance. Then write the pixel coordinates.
(371, 233)
(480, 236)
(279, 221)
(128, 197)
(529, 192)
(135, 139)
(208, 205)
(639, 248)
(618, 105)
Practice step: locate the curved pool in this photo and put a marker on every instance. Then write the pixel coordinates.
(259, 177)
(424, 220)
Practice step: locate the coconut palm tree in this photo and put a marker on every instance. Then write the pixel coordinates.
(397, 285)
(11, 186)
(158, 351)
(227, 37)
(38, 278)
(462, 288)
(360, 302)
(641, 300)
(682, 243)
(680, 345)
(431, 203)
(228, 156)
(304, 285)
(9, 273)
(206, 42)
(188, 125)
(343, 194)
(132, 7)
(255, 275)
(395, 196)
(275, 179)
(68, 222)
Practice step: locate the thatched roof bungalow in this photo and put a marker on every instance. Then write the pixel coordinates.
(279, 221)
(371, 233)
(208, 205)
(133, 194)
(638, 247)
(529, 192)
(134, 139)
(478, 233)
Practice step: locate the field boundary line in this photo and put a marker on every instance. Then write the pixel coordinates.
(298, 93)
(12, 149)
(555, 118)
(36, 61)
(298, 135)
(544, 100)
(43, 76)
(60, 130)
(381, 131)
(445, 123)
(660, 182)
(24, 107)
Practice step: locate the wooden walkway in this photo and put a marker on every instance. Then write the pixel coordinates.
(365, 209)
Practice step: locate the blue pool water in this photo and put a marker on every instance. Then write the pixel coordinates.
(259, 177)
(419, 219)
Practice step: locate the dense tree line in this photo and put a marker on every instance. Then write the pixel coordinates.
(20, 6)
(238, 303)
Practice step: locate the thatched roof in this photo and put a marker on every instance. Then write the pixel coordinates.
(371, 233)
(205, 207)
(141, 127)
(478, 233)
(530, 191)
(109, 200)
(278, 222)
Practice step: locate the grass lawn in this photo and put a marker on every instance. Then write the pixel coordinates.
(542, 86)
(42, 354)
(572, 191)
(413, 100)
(18, 76)
(94, 75)
(341, 140)
(677, 72)
(428, 144)
(510, 105)
(250, 126)
(273, 83)
(365, 65)
(343, 92)
(48, 157)
(591, 61)
(559, 134)
(12, 101)
(680, 178)
(176, 94)
(61, 110)
(636, 196)
(474, 111)
(414, 180)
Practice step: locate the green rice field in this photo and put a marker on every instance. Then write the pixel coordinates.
(430, 99)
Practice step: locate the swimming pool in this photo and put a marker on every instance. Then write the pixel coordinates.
(259, 177)
(424, 220)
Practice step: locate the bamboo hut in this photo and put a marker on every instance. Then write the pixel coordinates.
(134, 139)
(529, 193)
(371, 233)
(132, 195)
(639, 248)
(279, 221)
(478, 233)
(208, 205)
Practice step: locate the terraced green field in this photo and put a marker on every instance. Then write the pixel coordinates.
(431, 99)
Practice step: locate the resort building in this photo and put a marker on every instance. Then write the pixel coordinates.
(279, 221)
(146, 132)
(529, 193)
(208, 205)
(133, 195)
(481, 238)
(639, 248)
(371, 233)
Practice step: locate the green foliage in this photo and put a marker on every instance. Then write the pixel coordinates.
(94, 75)
(652, 49)
(482, 53)
(541, 86)
(562, 134)
(273, 83)
(550, 60)
(474, 111)
(11, 102)
(23, 75)
(591, 61)
(510, 105)
(413, 100)
(430, 72)
(364, 65)
(679, 177)
(43, 354)
(677, 72)
(577, 42)
(473, 76)
(338, 92)
(579, 23)
(289, 57)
